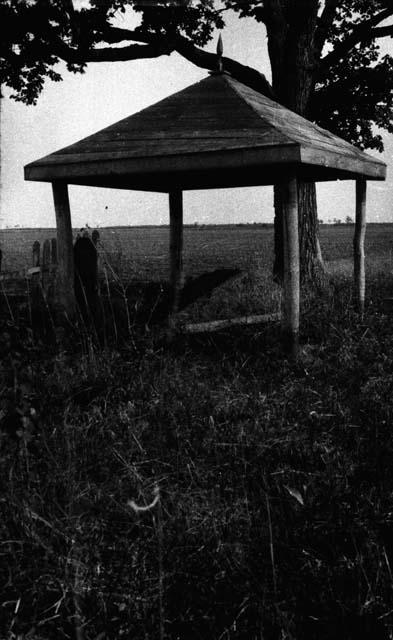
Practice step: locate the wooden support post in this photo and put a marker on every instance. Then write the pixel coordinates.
(291, 285)
(65, 272)
(358, 244)
(176, 249)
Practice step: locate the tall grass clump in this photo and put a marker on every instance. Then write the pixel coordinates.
(210, 489)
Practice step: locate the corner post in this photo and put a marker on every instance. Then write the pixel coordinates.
(291, 284)
(65, 270)
(176, 249)
(358, 244)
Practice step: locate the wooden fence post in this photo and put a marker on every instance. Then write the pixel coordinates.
(65, 272)
(358, 244)
(291, 285)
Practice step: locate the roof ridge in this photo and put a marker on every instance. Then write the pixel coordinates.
(234, 82)
(317, 128)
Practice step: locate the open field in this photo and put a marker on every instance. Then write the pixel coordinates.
(142, 252)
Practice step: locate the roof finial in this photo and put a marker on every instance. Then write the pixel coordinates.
(220, 51)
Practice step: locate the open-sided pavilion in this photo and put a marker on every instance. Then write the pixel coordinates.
(215, 133)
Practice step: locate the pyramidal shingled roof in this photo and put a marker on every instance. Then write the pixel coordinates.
(216, 132)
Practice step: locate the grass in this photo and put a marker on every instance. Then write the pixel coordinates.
(274, 517)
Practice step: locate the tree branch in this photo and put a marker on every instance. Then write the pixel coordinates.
(109, 54)
(113, 35)
(381, 32)
(156, 47)
(205, 60)
(362, 31)
(324, 23)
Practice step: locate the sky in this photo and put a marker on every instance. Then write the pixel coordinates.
(107, 92)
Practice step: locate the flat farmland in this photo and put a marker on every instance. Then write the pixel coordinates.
(142, 252)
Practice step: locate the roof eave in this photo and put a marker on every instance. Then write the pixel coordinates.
(362, 165)
(69, 169)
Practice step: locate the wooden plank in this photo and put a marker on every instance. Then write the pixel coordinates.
(327, 165)
(65, 273)
(13, 275)
(218, 325)
(253, 175)
(313, 152)
(208, 161)
(294, 126)
(216, 123)
(358, 244)
(291, 285)
(142, 149)
(128, 138)
(32, 271)
(176, 247)
(363, 165)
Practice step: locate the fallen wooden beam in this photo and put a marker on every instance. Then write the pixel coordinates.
(22, 274)
(217, 325)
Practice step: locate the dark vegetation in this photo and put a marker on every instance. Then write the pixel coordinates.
(274, 517)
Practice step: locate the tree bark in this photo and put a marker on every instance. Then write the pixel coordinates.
(311, 263)
(310, 252)
(292, 51)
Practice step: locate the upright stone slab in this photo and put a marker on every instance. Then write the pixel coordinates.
(86, 273)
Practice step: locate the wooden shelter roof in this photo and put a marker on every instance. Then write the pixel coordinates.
(215, 133)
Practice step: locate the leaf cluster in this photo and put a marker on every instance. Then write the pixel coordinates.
(353, 85)
(354, 94)
(40, 33)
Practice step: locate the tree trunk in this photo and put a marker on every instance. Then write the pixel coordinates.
(292, 52)
(310, 252)
(311, 263)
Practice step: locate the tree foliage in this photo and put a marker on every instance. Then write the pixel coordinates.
(354, 87)
(37, 34)
(351, 84)
(335, 45)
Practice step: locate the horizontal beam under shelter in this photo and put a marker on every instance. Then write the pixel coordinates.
(176, 248)
(358, 244)
(65, 295)
(291, 284)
